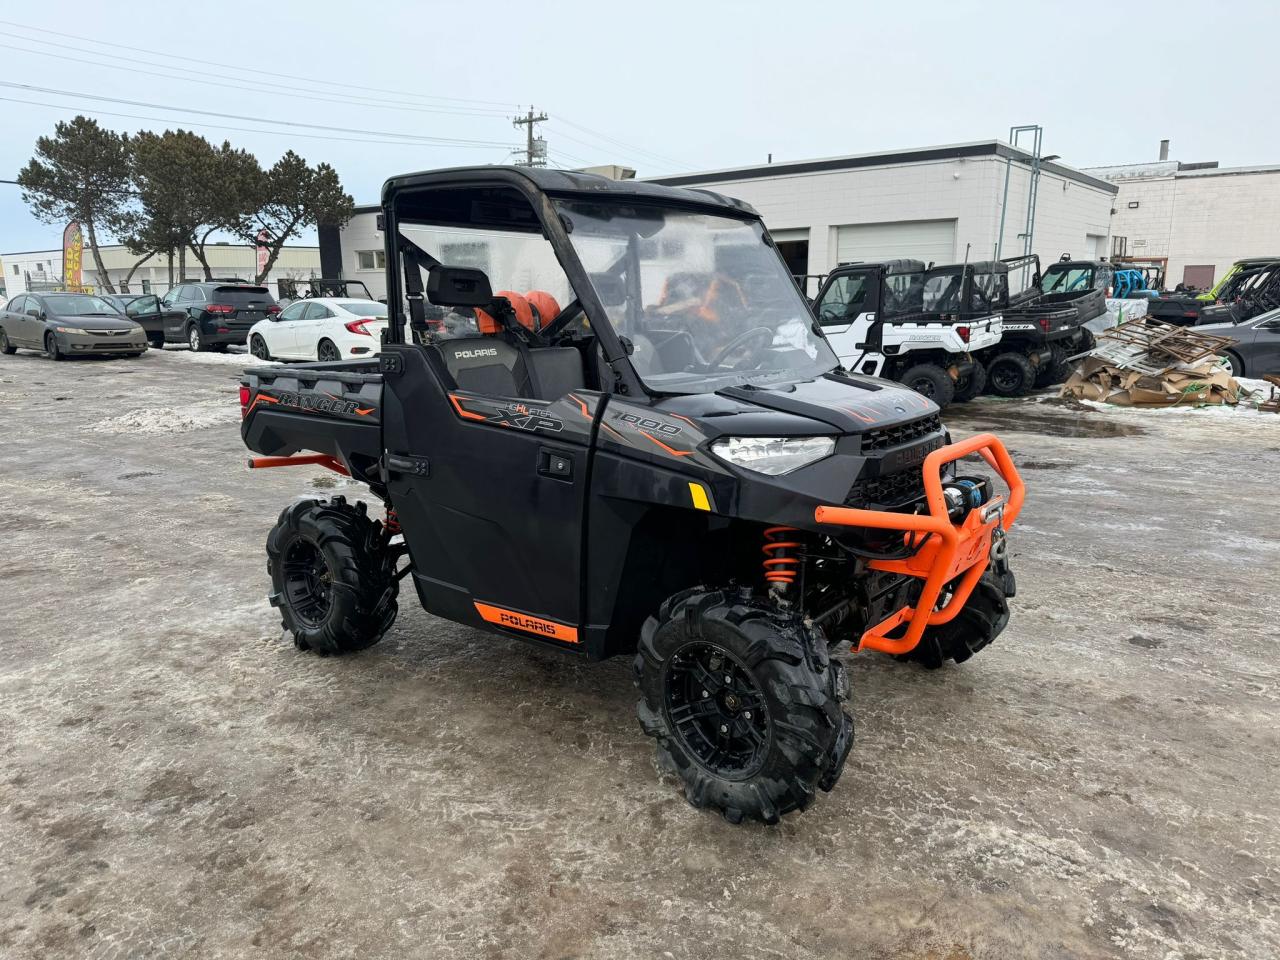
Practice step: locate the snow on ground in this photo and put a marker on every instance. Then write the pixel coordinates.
(235, 356)
(160, 419)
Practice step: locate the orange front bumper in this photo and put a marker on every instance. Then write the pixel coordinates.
(949, 551)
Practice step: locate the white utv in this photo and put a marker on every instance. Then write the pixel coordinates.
(919, 326)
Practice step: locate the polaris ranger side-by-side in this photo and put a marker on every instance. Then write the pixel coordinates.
(900, 320)
(643, 446)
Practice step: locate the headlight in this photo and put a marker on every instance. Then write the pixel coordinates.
(68, 329)
(773, 456)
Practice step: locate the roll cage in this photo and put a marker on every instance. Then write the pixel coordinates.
(521, 200)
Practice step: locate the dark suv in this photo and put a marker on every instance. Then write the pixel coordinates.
(211, 316)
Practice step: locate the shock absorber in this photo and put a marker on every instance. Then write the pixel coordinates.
(782, 564)
(392, 522)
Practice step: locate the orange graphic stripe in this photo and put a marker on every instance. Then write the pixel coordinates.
(671, 450)
(579, 402)
(514, 620)
(465, 414)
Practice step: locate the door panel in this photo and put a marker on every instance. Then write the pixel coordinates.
(927, 240)
(497, 520)
(282, 339)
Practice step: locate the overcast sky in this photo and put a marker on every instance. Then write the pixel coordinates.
(664, 87)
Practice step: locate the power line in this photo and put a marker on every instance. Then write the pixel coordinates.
(470, 145)
(332, 83)
(255, 88)
(620, 143)
(408, 137)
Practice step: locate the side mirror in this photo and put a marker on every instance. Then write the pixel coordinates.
(458, 287)
(34, 312)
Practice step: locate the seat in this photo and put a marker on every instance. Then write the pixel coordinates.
(488, 365)
(556, 371)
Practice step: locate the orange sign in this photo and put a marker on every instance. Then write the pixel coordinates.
(72, 256)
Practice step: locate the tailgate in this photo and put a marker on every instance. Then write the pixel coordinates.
(330, 408)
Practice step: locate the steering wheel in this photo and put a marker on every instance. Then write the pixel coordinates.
(755, 333)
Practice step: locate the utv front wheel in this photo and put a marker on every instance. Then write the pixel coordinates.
(744, 704)
(332, 576)
(983, 618)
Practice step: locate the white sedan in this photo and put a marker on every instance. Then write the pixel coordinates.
(322, 328)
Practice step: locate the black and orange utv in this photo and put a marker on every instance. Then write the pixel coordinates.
(612, 456)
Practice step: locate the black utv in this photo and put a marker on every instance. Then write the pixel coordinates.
(641, 446)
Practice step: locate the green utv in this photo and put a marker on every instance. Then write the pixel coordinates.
(642, 446)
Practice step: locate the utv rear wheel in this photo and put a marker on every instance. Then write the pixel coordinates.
(1055, 371)
(981, 621)
(744, 704)
(331, 576)
(971, 384)
(930, 380)
(1011, 375)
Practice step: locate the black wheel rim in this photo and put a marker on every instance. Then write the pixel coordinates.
(259, 348)
(924, 387)
(717, 710)
(308, 582)
(328, 351)
(1006, 377)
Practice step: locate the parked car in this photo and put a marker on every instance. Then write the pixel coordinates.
(321, 328)
(213, 316)
(145, 310)
(68, 324)
(1256, 351)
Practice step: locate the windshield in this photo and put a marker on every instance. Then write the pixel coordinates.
(79, 306)
(1067, 279)
(703, 300)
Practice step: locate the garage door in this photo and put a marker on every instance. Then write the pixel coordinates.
(927, 240)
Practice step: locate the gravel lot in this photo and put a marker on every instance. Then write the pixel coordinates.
(177, 781)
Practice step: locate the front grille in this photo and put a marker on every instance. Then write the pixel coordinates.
(893, 490)
(884, 438)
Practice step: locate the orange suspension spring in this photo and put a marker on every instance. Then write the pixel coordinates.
(781, 567)
(392, 523)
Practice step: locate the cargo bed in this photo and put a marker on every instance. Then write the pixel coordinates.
(329, 408)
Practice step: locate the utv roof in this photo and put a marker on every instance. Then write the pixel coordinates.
(891, 267)
(564, 183)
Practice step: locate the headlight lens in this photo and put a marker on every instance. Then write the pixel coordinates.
(773, 456)
(68, 330)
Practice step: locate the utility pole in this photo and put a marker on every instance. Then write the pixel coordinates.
(535, 151)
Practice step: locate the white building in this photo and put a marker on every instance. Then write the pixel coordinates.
(1198, 216)
(931, 204)
(37, 269)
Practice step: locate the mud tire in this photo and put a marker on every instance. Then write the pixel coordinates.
(807, 733)
(358, 584)
(977, 625)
